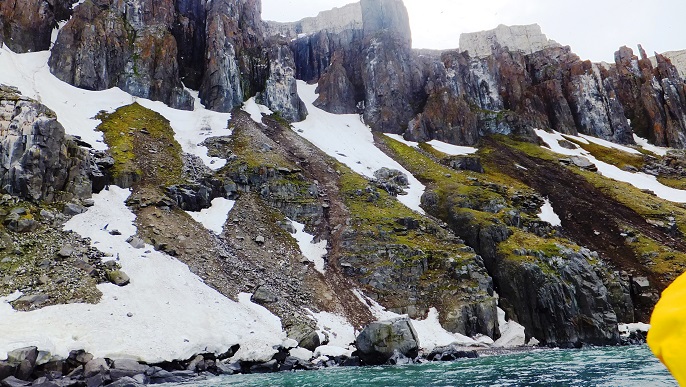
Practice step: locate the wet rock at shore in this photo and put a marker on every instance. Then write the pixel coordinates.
(379, 341)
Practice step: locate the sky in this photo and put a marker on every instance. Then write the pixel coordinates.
(595, 29)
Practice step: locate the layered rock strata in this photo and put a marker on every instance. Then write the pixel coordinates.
(39, 163)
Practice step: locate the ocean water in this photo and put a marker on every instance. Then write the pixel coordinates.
(616, 366)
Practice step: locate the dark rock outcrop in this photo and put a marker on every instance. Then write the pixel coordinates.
(654, 97)
(148, 47)
(234, 37)
(379, 341)
(281, 91)
(39, 163)
(532, 294)
(26, 25)
(127, 45)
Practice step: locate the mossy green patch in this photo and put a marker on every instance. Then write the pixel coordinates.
(644, 203)
(657, 257)
(252, 154)
(142, 143)
(674, 182)
(375, 217)
(616, 157)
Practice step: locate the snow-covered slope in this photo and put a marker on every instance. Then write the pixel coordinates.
(349, 140)
(639, 180)
(213, 218)
(548, 214)
(448, 149)
(76, 108)
(165, 313)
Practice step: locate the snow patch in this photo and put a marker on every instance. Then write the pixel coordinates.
(643, 143)
(76, 108)
(548, 214)
(339, 331)
(301, 353)
(349, 140)
(174, 314)
(256, 110)
(452, 150)
(511, 333)
(314, 252)
(449, 149)
(191, 128)
(213, 218)
(332, 351)
(627, 329)
(639, 180)
(609, 144)
(401, 139)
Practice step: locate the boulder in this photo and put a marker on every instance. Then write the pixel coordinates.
(31, 301)
(136, 242)
(118, 277)
(6, 370)
(95, 367)
(465, 163)
(450, 353)
(310, 341)
(14, 382)
(262, 296)
(379, 341)
(263, 368)
(583, 163)
(126, 382)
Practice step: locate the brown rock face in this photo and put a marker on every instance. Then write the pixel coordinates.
(26, 25)
(336, 91)
(512, 92)
(148, 48)
(234, 41)
(127, 45)
(654, 98)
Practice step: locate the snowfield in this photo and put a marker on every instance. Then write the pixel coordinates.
(255, 110)
(214, 218)
(349, 140)
(548, 214)
(76, 108)
(314, 252)
(639, 180)
(165, 313)
(444, 147)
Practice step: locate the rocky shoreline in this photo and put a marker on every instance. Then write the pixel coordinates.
(33, 367)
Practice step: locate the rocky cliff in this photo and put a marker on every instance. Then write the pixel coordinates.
(527, 39)
(570, 284)
(156, 49)
(39, 163)
(678, 59)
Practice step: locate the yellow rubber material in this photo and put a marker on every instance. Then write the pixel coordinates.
(667, 334)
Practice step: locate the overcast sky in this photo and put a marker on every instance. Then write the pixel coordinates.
(594, 29)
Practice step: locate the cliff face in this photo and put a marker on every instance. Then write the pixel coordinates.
(155, 49)
(39, 163)
(654, 97)
(568, 285)
(508, 80)
(27, 25)
(121, 44)
(527, 39)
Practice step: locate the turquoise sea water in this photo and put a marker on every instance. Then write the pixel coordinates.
(617, 366)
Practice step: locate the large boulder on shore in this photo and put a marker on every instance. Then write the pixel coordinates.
(379, 341)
